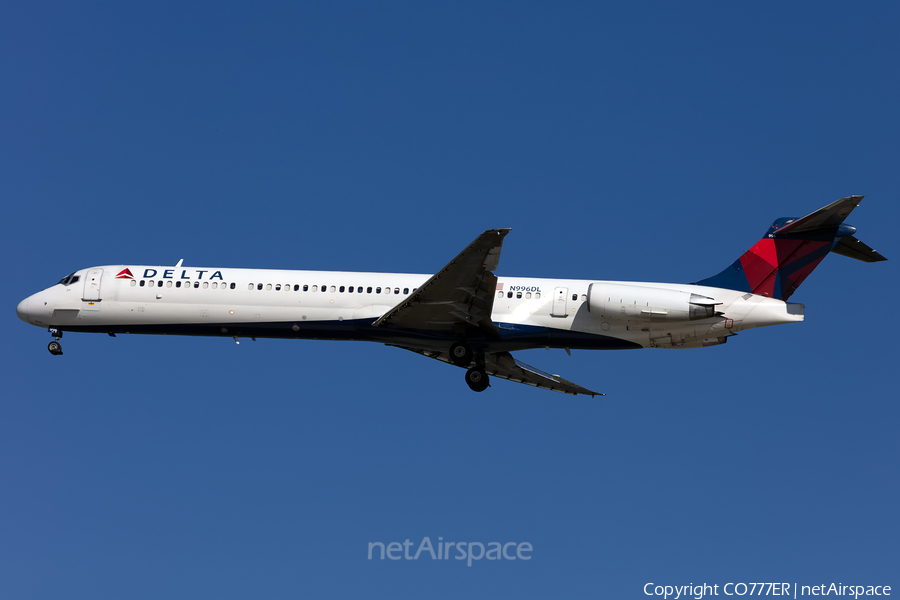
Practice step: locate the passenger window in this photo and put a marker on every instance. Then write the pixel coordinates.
(297, 287)
(584, 297)
(133, 283)
(387, 290)
(359, 290)
(277, 287)
(414, 290)
(232, 286)
(268, 287)
(332, 289)
(315, 288)
(168, 284)
(405, 290)
(306, 287)
(196, 284)
(215, 285)
(258, 287)
(369, 290)
(325, 289)
(396, 290)
(499, 294)
(378, 290)
(152, 283)
(509, 294)
(518, 295)
(574, 296)
(142, 283)
(342, 289)
(537, 295)
(350, 289)
(178, 284)
(205, 285)
(528, 295)
(159, 284)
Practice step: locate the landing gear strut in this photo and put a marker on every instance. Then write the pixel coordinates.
(477, 379)
(55, 347)
(461, 354)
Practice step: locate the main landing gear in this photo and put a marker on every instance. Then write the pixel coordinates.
(55, 347)
(461, 355)
(477, 379)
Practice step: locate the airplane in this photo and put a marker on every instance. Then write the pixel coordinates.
(464, 314)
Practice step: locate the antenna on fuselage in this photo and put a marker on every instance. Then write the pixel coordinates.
(179, 263)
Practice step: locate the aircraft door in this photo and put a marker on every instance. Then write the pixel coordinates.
(560, 296)
(91, 297)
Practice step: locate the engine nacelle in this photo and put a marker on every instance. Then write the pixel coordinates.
(636, 303)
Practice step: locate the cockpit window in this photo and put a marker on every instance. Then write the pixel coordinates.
(69, 279)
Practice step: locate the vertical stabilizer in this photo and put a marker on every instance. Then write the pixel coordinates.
(791, 249)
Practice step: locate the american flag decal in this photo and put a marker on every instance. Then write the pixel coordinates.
(499, 287)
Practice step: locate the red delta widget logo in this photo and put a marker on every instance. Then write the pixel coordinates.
(125, 274)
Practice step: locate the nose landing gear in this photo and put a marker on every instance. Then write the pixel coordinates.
(55, 347)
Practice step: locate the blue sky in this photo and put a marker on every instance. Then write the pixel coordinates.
(651, 142)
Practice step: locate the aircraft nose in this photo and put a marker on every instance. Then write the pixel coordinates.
(22, 310)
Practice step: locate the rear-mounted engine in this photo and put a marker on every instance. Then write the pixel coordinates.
(638, 303)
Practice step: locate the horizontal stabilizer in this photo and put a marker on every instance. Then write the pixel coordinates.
(853, 248)
(829, 216)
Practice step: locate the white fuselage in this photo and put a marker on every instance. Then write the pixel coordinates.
(529, 312)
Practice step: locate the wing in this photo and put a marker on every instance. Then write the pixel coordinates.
(462, 293)
(505, 366)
